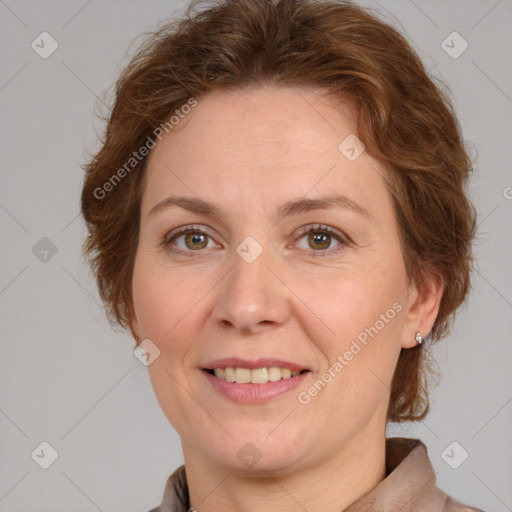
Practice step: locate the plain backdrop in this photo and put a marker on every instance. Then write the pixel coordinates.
(69, 380)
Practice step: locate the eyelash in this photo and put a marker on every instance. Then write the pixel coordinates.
(344, 240)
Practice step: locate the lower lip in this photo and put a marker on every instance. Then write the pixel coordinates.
(254, 393)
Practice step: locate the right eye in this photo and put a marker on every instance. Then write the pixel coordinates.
(194, 239)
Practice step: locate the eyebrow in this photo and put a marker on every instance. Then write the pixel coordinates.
(288, 209)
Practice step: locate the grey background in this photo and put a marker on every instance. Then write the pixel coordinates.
(67, 378)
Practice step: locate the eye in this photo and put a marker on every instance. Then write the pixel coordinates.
(319, 239)
(194, 239)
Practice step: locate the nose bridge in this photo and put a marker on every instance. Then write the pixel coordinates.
(251, 296)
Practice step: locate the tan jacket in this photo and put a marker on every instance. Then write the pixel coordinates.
(410, 485)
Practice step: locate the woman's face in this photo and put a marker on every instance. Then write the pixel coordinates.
(249, 283)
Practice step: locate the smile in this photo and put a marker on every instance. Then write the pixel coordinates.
(255, 375)
(253, 385)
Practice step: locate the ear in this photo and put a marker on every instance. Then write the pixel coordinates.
(423, 303)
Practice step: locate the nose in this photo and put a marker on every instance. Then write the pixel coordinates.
(252, 297)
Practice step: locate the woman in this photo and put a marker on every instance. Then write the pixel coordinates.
(278, 215)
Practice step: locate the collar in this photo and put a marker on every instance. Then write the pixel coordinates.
(409, 486)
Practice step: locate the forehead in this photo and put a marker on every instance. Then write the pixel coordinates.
(271, 116)
(257, 146)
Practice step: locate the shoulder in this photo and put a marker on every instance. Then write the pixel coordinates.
(412, 481)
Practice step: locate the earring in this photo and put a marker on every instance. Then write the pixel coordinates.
(418, 338)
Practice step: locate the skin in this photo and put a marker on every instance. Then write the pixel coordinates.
(250, 151)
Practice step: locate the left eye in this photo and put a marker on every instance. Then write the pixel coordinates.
(321, 237)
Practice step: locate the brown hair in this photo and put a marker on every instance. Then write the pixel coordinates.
(405, 121)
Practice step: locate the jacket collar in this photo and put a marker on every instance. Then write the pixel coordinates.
(410, 483)
(409, 486)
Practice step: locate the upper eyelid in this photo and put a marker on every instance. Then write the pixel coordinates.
(320, 227)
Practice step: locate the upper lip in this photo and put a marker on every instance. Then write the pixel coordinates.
(235, 362)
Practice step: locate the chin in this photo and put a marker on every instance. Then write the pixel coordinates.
(254, 451)
(253, 462)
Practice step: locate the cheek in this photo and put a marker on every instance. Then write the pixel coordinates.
(361, 316)
(167, 305)
(353, 306)
(163, 300)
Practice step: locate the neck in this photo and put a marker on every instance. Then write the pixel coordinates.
(331, 484)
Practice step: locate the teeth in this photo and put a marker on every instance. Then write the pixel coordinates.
(256, 376)
(220, 372)
(229, 374)
(242, 375)
(259, 375)
(274, 374)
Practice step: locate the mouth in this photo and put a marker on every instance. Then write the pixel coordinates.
(254, 382)
(263, 375)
